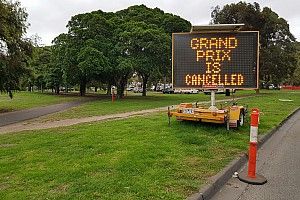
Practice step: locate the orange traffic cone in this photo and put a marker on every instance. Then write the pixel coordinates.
(251, 177)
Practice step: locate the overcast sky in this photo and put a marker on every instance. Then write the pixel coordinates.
(48, 18)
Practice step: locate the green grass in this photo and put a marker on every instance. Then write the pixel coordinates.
(132, 103)
(130, 159)
(25, 100)
(136, 158)
(271, 108)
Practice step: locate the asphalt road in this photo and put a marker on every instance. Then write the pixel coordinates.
(22, 115)
(278, 161)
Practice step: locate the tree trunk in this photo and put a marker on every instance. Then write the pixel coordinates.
(96, 88)
(155, 86)
(57, 89)
(165, 80)
(121, 87)
(82, 88)
(108, 90)
(145, 80)
(120, 91)
(29, 88)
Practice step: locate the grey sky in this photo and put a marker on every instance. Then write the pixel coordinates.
(48, 18)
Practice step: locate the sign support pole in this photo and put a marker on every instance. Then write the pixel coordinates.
(213, 101)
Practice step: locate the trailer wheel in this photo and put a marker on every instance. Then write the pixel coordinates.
(241, 120)
(227, 123)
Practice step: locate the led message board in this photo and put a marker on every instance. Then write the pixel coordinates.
(214, 60)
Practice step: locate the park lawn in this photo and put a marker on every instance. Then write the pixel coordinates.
(25, 100)
(133, 102)
(136, 158)
(273, 107)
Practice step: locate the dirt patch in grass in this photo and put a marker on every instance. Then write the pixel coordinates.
(7, 145)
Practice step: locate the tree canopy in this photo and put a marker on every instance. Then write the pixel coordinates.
(110, 47)
(14, 49)
(277, 52)
(295, 78)
(106, 48)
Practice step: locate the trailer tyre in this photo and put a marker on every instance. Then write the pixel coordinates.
(227, 123)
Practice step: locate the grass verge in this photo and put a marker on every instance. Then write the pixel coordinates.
(136, 158)
(25, 100)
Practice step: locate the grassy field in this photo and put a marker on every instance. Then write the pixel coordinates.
(136, 158)
(133, 102)
(24, 100)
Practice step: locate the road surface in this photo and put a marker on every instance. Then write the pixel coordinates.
(278, 161)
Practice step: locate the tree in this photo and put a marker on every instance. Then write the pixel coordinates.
(295, 79)
(147, 46)
(296, 76)
(277, 57)
(172, 24)
(140, 24)
(14, 49)
(40, 63)
(110, 47)
(123, 71)
(91, 64)
(59, 69)
(85, 48)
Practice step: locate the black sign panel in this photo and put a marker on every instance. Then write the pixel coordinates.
(214, 60)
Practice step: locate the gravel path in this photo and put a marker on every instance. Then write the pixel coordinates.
(22, 115)
(69, 122)
(23, 126)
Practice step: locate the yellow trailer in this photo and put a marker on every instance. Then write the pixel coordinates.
(232, 116)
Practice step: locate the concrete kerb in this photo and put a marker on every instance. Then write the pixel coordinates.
(216, 182)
